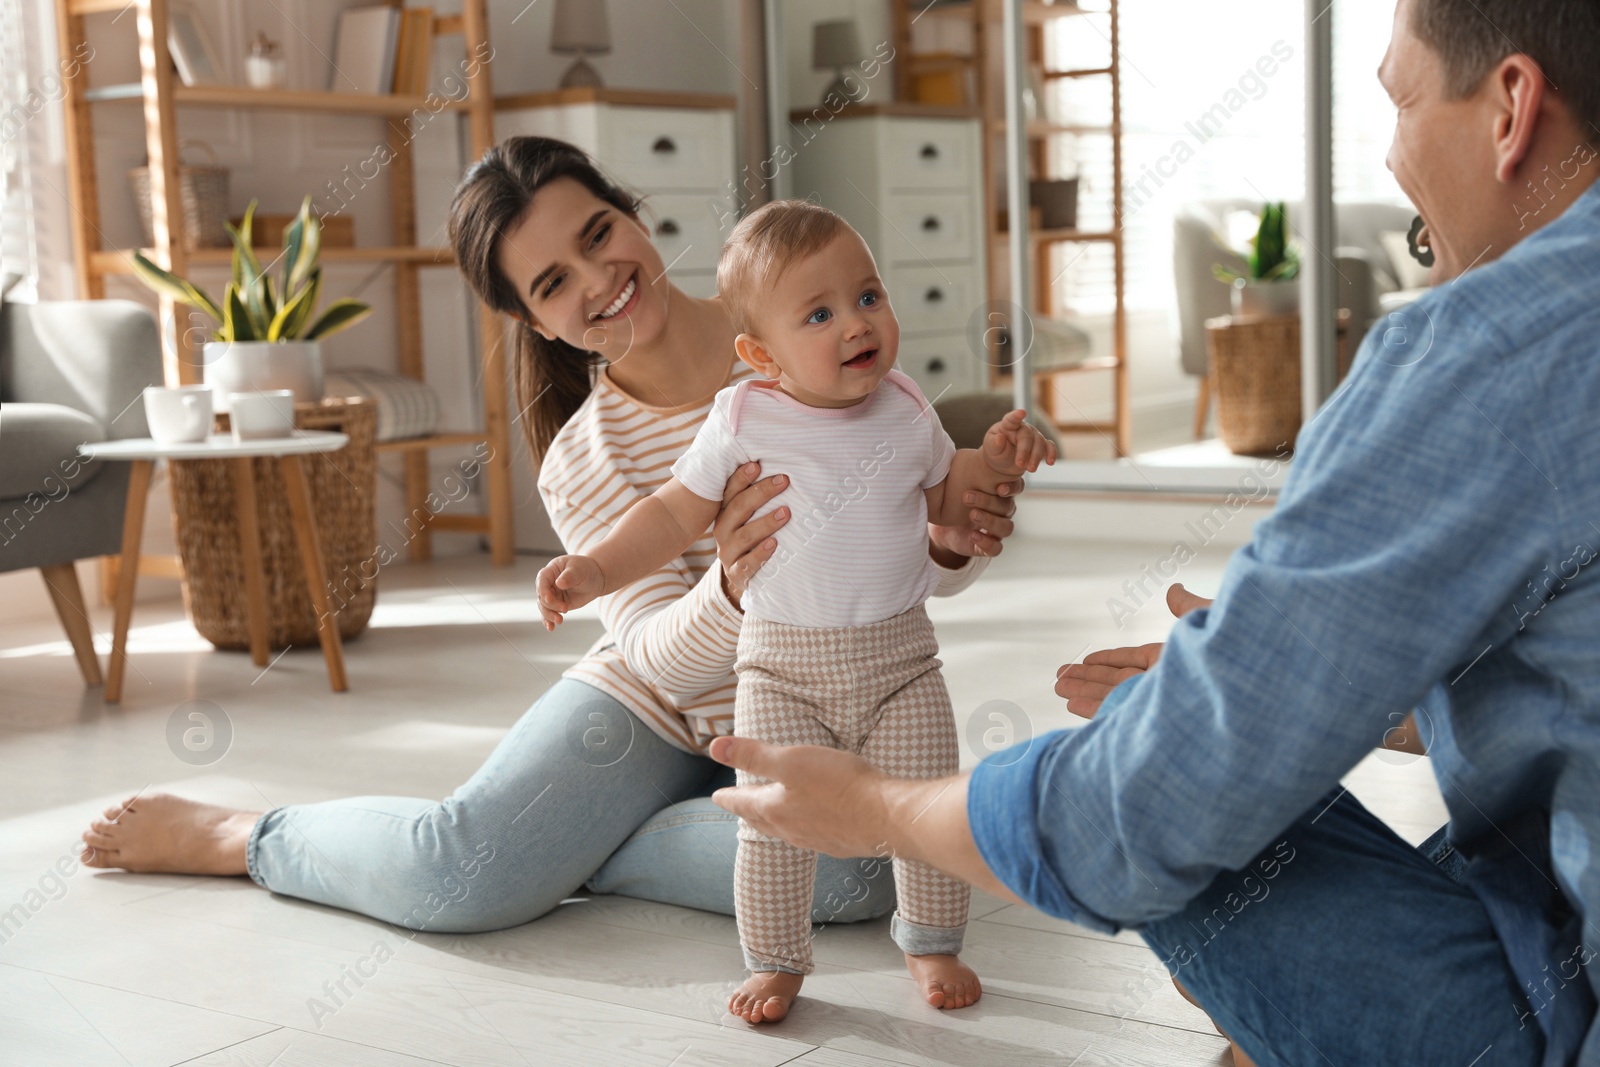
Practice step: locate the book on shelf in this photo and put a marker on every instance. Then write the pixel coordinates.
(364, 50)
(413, 52)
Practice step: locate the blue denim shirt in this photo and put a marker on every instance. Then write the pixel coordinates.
(1436, 546)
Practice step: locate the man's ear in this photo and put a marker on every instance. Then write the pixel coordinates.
(1517, 86)
(750, 348)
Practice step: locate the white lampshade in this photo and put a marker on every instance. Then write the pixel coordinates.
(834, 44)
(580, 26)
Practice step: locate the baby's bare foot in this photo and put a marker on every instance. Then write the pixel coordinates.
(945, 980)
(162, 832)
(765, 996)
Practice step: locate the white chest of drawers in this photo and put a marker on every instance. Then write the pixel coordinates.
(912, 186)
(677, 149)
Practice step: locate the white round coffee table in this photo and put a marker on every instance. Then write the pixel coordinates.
(291, 453)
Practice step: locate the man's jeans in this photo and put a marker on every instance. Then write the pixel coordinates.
(1342, 945)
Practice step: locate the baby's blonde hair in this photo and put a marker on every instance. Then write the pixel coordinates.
(764, 244)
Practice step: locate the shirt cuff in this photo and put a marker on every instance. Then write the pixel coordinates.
(1003, 812)
(953, 580)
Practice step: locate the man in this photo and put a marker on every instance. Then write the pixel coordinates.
(1434, 548)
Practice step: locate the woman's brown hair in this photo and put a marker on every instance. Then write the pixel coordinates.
(552, 378)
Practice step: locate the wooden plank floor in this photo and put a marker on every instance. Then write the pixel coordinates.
(112, 968)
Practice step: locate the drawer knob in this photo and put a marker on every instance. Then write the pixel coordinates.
(933, 295)
(930, 224)
(935, 365)
(930, 151)
(668, 228)
(664, 146)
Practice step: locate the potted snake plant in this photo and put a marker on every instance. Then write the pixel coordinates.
(1269, 285)
(267, 335)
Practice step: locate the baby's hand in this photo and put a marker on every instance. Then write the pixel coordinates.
(1012, 446)
(565, 584)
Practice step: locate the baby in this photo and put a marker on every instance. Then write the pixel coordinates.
(835, 647)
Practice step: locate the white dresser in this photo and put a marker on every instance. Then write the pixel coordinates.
(912, 186)
(677, 148)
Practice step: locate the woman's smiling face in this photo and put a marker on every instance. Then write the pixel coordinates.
(586, 271)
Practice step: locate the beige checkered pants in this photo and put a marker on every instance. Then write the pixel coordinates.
(874, 690)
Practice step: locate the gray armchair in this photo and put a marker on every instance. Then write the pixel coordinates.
(1365, 275)
(70, 372)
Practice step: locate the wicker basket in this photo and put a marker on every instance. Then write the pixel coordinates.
(1255, 371)
(343, 485)
(203, 192)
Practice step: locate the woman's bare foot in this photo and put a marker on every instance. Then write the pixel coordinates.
(162, 832)
(765, 996)
(945, 980)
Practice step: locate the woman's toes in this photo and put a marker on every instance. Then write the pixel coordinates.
(95, 839)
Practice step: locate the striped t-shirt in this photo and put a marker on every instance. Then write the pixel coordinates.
(668, 651)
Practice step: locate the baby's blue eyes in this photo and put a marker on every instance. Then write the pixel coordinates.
(869, 298)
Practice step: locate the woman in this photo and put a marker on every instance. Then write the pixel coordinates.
(604, 782)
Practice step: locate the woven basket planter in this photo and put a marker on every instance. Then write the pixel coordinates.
(1255, 372)
(343, 487)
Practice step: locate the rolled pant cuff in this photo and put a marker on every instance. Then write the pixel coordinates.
(251, 865)
(916, 939)
(755, 964)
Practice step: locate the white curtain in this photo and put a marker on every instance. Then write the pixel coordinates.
(1213, 107)
(35, 246)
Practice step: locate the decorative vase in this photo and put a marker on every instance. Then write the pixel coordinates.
(258, 366)
(1266, 298)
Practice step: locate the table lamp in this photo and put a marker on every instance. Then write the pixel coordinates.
(834, 46)
(580, 27)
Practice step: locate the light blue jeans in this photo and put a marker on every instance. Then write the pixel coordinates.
(579, 795)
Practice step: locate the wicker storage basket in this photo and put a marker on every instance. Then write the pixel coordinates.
(203, 192)
(343, 486)
(1255, 371)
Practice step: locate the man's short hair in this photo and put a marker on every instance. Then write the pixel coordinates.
(763, 245)
(1562, 36)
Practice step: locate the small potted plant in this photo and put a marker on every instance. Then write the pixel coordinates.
(1272, 265)
(267, 336)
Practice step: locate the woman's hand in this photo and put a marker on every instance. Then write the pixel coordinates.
(742, 545)
(1085, 685)
(989, 523)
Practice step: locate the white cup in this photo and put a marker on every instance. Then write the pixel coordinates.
(256, 416)
(178, 415)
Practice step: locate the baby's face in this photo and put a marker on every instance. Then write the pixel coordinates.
(828, 325)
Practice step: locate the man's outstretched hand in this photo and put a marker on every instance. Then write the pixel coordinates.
(1085, 685)
(822, 799)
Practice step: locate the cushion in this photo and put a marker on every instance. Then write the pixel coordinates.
(1407, 271)
(39, 449)
(406, 407)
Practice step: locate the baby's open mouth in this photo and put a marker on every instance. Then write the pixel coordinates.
(865, 359)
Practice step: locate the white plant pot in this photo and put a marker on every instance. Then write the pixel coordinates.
(259, 366)
(1266, 298)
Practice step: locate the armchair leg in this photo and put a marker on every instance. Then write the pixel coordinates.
(1202, 408)
(67, 595)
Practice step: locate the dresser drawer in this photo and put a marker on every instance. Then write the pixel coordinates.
(684, 229)
(928, 226)
(940, 363)
(660, 148)
(933, 297)
(929, 154)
